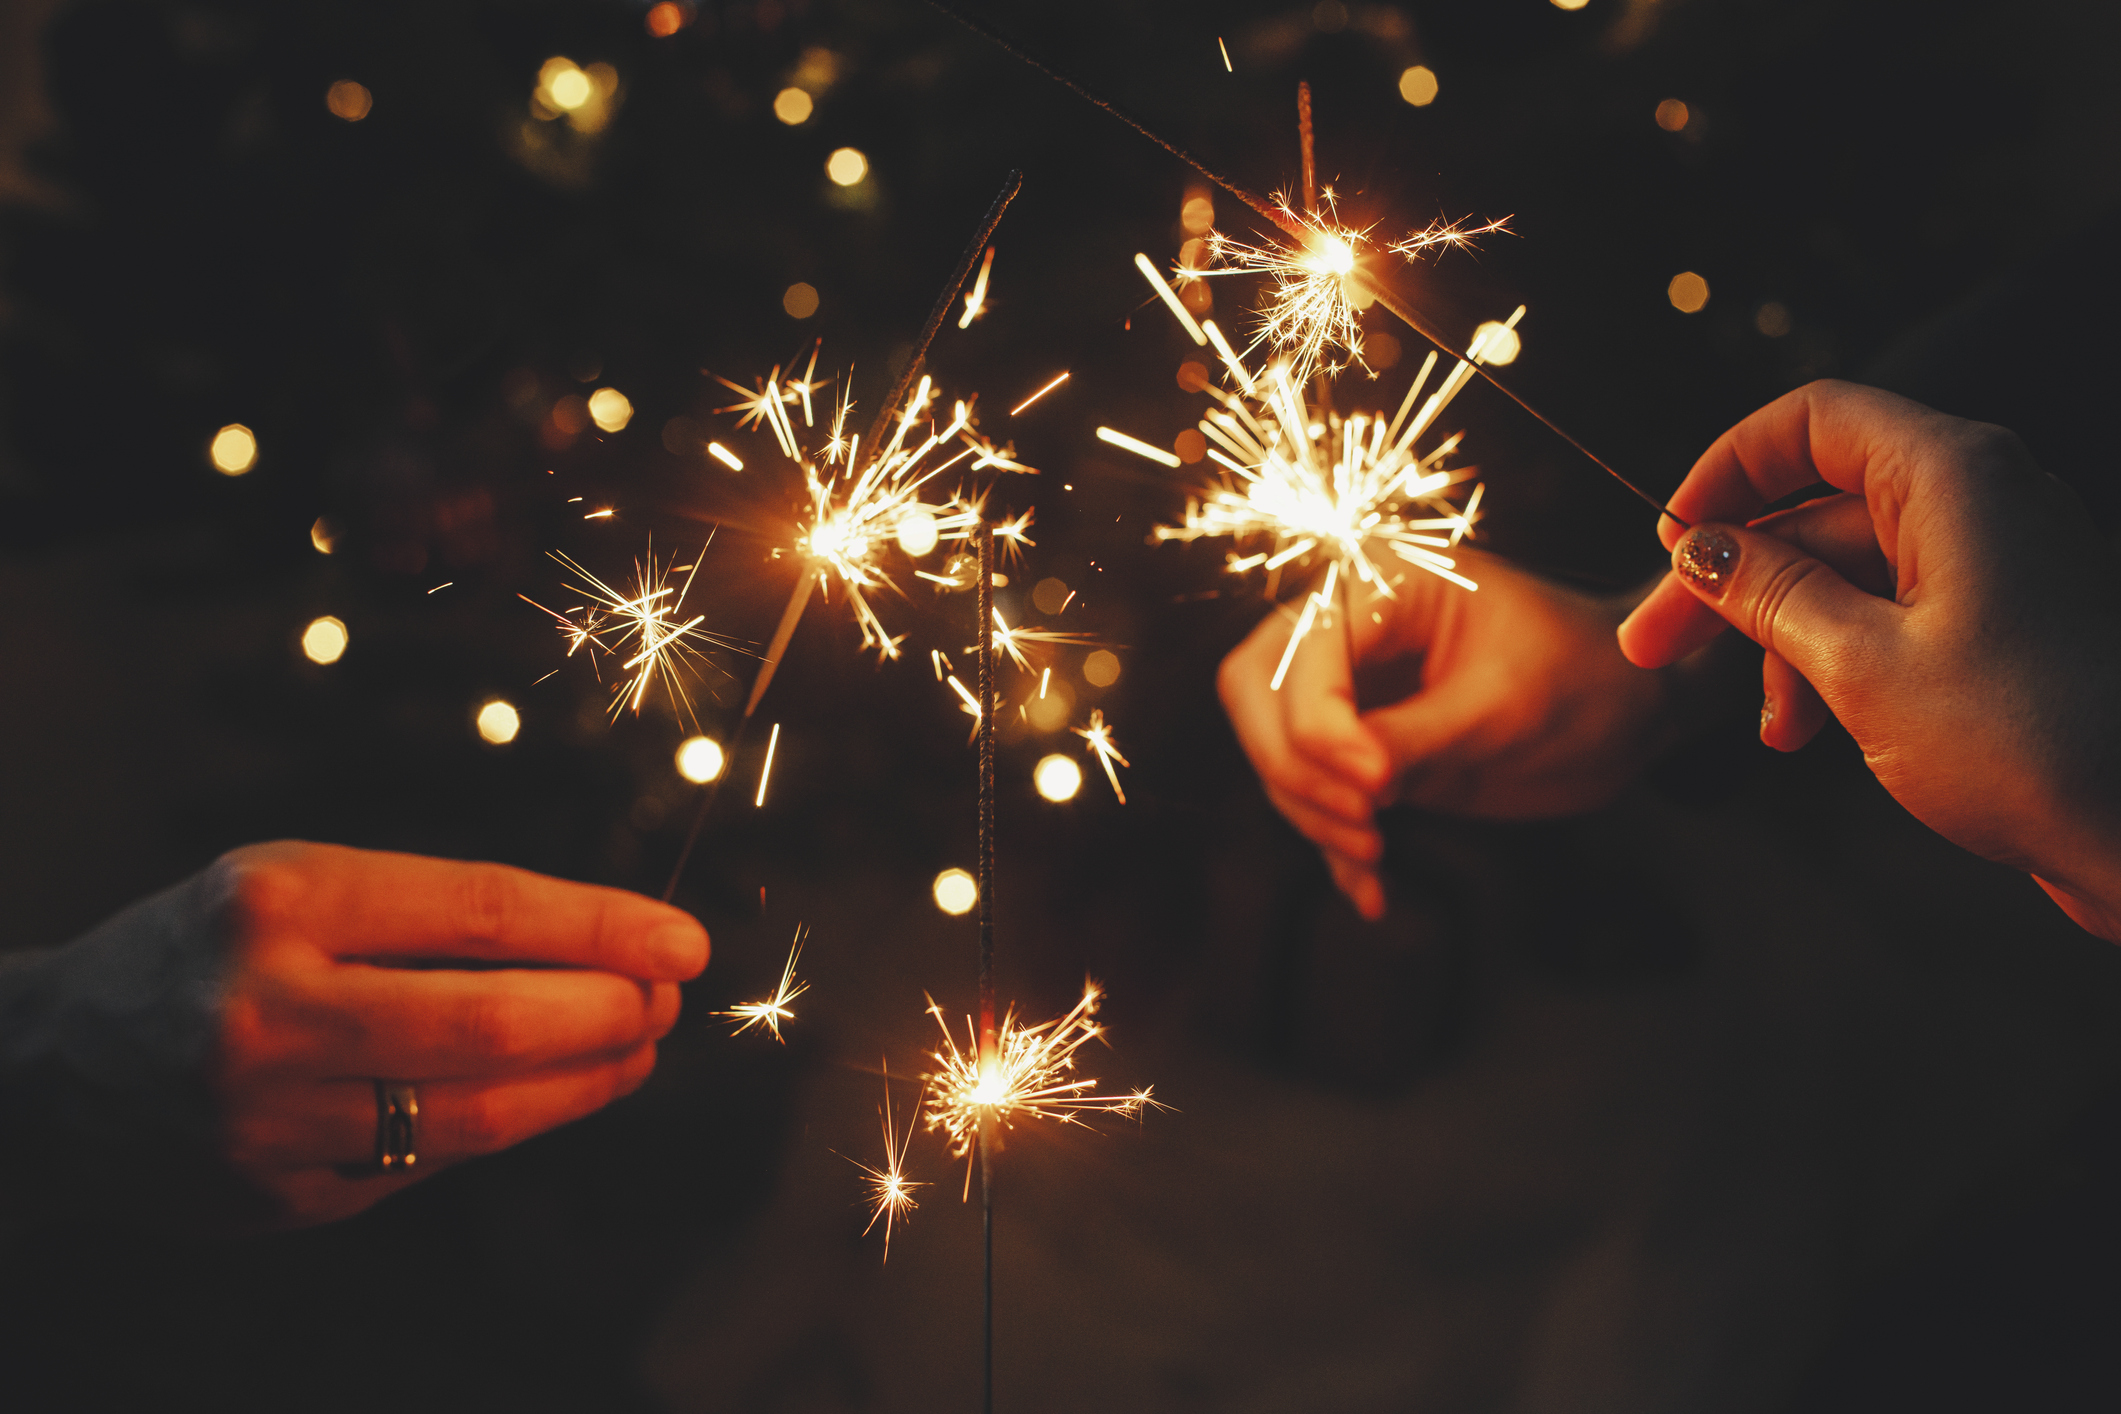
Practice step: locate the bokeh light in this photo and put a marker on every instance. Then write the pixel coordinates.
(234, 450)
(610, 409)
(1050, 595)
(1570, 4)
(1057, 777)
(918, 532)
(1671, 115)
(1198, 214)
(1190, 445)
(1101, 669)
(498, 722)
(349, 100)
(322, 536)
(1499, 343)
(324, 641)
(668, 18)
(1418, 85)
(846, 166)
(1772, 319)
(793, 106)
(700, 759)
(800, 300)
(1049, 709)
(1688, 292)
(956, 891)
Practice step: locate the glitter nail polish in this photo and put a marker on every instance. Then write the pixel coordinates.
(1706, 559)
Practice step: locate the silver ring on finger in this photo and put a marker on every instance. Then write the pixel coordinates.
(397, 1126)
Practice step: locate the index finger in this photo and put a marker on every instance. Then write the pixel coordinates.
(1839, 433)
(366, 903)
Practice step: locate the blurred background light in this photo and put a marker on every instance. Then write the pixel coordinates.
(498, 722)
(1418, 85)
(956, 891)
(700, 759)
(349, 100)
(1057, 777)
(321, 536)
(800, 300)
(1688, 292)
(793, 106)
(324, 641)
(1671, 115)
(1101, 669)
(668, 18)
(610, 409)
(1498, 342)
(234, 450)
(846, 166)
(918, 532)
(1772, 319)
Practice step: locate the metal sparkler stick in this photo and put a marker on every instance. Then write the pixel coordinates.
(984, 636)
(799, 597)
(1282, 219)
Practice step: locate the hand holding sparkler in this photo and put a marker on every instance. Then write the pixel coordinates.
(1954, 607)
(1513, 703)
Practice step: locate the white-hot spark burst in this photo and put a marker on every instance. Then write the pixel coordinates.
(1314, 483)
(1098, 741)
(771, 1012)
(890, 1196)
(863, 501)
(647, 629)
(1316, 286)
(1029, 1075)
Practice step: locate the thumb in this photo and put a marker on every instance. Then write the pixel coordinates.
(1789, 603)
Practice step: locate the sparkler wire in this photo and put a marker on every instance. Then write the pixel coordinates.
(800, 596)
(984, 638)
(1287, 222)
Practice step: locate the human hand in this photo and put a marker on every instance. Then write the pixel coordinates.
(514, 1003)
(1953, 608)
(1510, 702)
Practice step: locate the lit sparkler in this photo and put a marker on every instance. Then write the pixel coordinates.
(771, 1012)
(1028, 1073)
(890, 1191)
(1348, 488)
(646, 629)
(1098, 741)
(1317, 285)
(1013, 643)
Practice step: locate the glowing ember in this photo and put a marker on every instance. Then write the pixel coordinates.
(771, 1012)
(1028, 1075)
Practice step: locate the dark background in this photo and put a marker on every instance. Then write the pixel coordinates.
(1743, 1094)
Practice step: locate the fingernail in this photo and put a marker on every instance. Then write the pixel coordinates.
(1767, 713)
(678, 948)
(1706, 559)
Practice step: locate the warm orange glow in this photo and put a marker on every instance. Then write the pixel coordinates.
(1198, 214)
(1688, 292)
(1497, 342)
(322, 536)
(1418, 85)
(793, 106)
(1671, 115)
(1772, 319)
(668, 18)
(1050, 596)
(799, 300)
(349, 100)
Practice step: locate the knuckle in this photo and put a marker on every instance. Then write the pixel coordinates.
(487, 898)
(255, 890)
(481, 1125)
(1771, 602)
(500, 1027)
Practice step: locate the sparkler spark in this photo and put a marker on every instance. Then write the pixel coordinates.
(643, 629)
(771, 1012)
(1100, 744)
(1028, 1075)
(1012, 642)
(1317, 284)
(890, 1191)
(976, 302)
(1058, 379)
